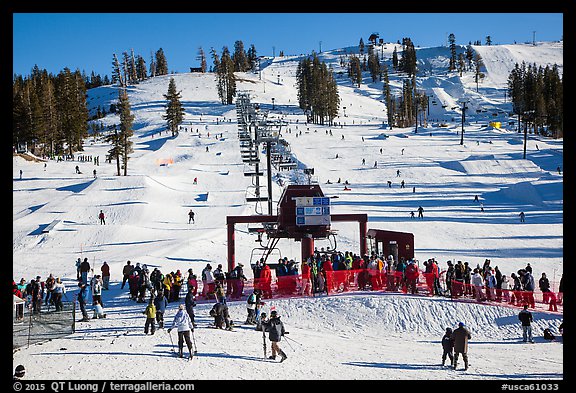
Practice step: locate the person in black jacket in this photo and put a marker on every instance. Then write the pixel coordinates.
(448, 346)
(275, 329)
(190, 303)
(525, 317)
(221, 316)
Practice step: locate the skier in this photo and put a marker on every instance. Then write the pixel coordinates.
(84, 269)
(190, 303)
(57, 293)
(94, 173)
(275, 329)
(522, 216)
(238, 278)
(191, 216)
(150, 313)
(461, 337)
(78, 263)
(525, 317)
(420, 212)
(207, 281)
(161, 303)
(82, 296)
(105, 269)
(251, 307)
(221, 316)
(101, 218)
(184, 324)
(448, 346)
(126, 273)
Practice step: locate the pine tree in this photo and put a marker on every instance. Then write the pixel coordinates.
(373, 64)
(252, 58)
(478, 65)
(126, 131)
(161, 63)
(201, 57)
(117, 76)
(240, 58)
(387, 96)
(174, 109)
(225, 78)
(141, 68)
(469, 55)
(452, 46)
(355, 70)
(395, 59)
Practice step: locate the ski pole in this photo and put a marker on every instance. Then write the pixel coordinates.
(264, 341)
(171, 341)
(291, 339)
(194, 341)
(290, 345)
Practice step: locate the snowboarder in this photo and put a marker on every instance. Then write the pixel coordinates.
(184, 324)
(461, 337)
(94, 172)
(522, 217)
(420, 212)
(190, 216)
(102, 218)
(398, 173)
(150, 313)
(275, 329)
(481, 207)
(525, 317)
(78, 169)
(195, 180)
(475, 198)
(448, 346)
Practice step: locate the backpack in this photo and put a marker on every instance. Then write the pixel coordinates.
(548, 334)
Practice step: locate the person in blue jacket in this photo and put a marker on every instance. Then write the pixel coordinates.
(161, 303)
(82, 299)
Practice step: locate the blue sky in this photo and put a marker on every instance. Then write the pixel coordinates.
(86, 41)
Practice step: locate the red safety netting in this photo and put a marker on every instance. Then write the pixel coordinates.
(416, 283)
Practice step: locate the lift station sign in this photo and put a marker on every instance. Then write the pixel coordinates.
(312, 211)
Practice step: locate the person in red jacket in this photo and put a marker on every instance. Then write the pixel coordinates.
(265, 283)
(412, 276)
(329, 272)
(305, 278)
